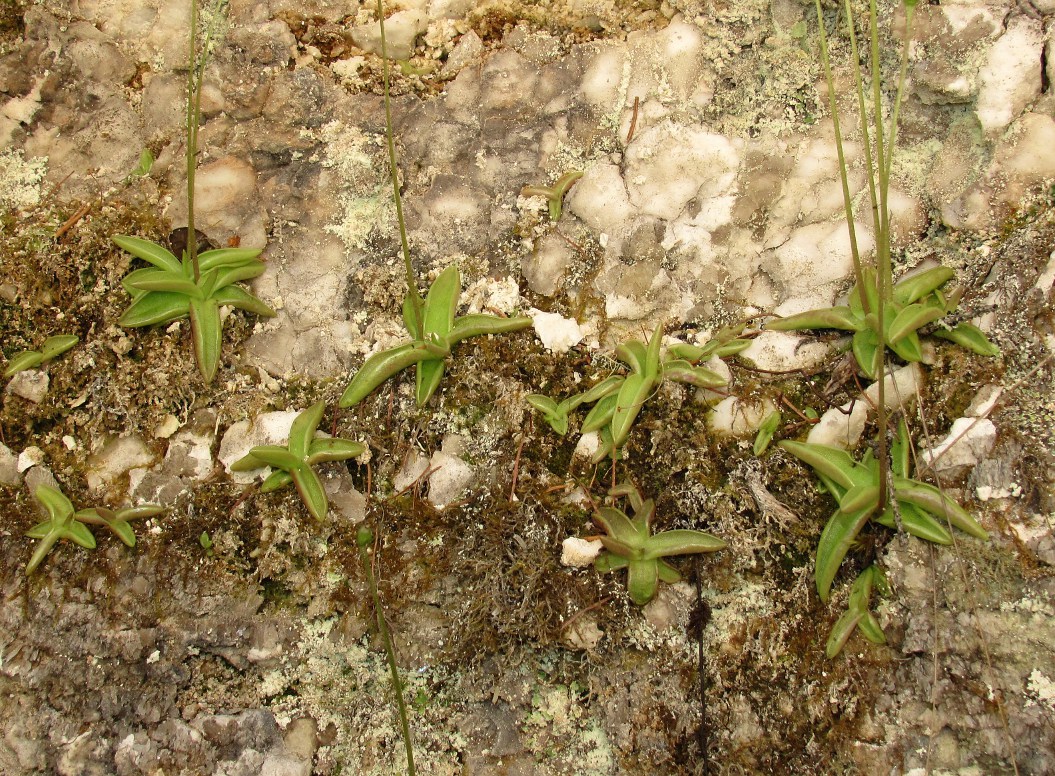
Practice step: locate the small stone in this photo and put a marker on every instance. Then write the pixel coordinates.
(401, 29)
(583, 633)
(117, 457)
(167, 427)
(557, 333)
(737, 417)
(450, 477)
(31, 456)
(9, 470)
(302, 738)
(31, 385)
(968, 442)
(780, 351)
(579, 553)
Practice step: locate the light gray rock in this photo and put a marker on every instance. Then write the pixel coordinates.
(30, 384)
(9, 473)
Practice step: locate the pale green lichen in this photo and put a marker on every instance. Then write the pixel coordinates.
(20, 180)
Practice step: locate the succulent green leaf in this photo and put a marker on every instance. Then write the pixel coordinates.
(207, 334)
(428, 377)
(442, 302)
(833, 463)
(557, 419)
(608, 561)
(247, 463)
(633, 353)
(229, 257)
(311, 491)
(333, 449)
(681, 542)
(27, 359)
(841, 632)
(276, 480)
(381, 366)
(47, 541)
(54, 501)
(302, 431)
(827, 318)
(228, 275)
(154, 308)
(149, 251)
(766, 432)
(931, 499)
(667, 573)
(838, 536)
(911, 318)
(479, 324)
(901, 451)
(413, 314)
(914, 288)
(969, 336)
(908, 348)
(275, 456)
(156, 280)
(732, 347)
(865, 346)
(608, 386)
(916, 522)
(236, 296)
(123, 531)
(642, 580)
(619, 527)
(631, 397)
(40, 530)
(871, 630)
(57, 345)
(860, 498)
(600, 415)
(79, 534)
(136, 513)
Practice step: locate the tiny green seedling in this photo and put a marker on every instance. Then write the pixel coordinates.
(618, 400)
(857, 614)
(921, 509)
(172, 289)
(206, 543)
(766, 431)
(31, 359)
(146, 164)
(64, 523)
(435, 330)
(915, 302)
(554, 194)
(632, 545)
(293, 463)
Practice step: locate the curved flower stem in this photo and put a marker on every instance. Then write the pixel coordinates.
(364, 538)
(417, 303)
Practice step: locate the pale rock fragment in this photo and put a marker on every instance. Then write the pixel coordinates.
(582, 634)
(227, 203)
(669, 165)
(401, 30)
(1011, 77)
(968, 442)
(781, 351)
(579, 553)
(9, 470)
(411, 471)
(736, 417)
(547, 264)
(450, 474)
(30, 384)
(30, 457)
(843, 426)
(557, 333)
(115, 458)
(269, 428)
